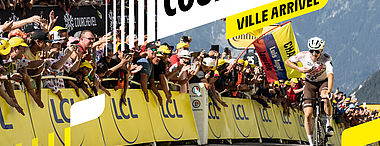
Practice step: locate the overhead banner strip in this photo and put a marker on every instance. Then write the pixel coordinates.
(269, 14)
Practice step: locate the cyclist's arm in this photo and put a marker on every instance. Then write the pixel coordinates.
(292, 64)
(330, 76)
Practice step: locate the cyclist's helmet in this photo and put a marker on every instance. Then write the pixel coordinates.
(315, 43)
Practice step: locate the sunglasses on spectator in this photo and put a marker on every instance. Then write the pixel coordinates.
(316, 51)
(91, 39)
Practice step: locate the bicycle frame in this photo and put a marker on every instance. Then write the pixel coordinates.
(319, 122)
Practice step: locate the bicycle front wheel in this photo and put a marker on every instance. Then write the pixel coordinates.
(320, 133)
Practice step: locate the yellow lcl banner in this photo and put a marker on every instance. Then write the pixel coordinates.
(275, 12)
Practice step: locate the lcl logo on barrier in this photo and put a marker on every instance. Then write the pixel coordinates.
(212, 113)
(239, 115)
(2, 122)
(123, 114)
(64, 117)
(285, 118)
(171, 114)
(264, 115)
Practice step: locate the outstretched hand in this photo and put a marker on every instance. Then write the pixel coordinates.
(7, 26)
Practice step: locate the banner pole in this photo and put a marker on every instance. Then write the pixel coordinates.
(256, 40)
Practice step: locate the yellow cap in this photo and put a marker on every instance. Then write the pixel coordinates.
(241, 61)
(216, 73)
(182, 45)
(221, 62)
(58, 28)
(294, 80)
(347, 99)
(85, 64)
(276, 83)
(163, 49)
(287, 83)
(16, 41)
(4, 47)
(246, 63)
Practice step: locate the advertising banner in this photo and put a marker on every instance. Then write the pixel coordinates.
(186, 15)
(86, 17)
(129, 123)
(242, 118)
(219, 126)
(266, 121)
(286, 123)
(15, 128)
(300, 118)
(199, 104)
(171, 121)
(55, 117)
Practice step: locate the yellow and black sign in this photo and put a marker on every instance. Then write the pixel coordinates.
(242, 41)
(269, 14)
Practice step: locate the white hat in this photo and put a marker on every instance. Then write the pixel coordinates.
(56, 37)
(184, 54)
(208, 61)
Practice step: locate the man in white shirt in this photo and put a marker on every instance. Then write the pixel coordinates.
(319, 78)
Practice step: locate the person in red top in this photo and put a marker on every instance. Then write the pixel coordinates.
(86, 41)
(293, 92)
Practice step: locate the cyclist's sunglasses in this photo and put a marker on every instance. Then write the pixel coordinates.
(316, 51)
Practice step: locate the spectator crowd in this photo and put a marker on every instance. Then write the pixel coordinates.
(349, 112)
(92, 61)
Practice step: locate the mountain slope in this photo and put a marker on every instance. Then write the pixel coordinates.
(369, 91)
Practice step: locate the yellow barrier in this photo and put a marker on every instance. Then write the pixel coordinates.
(55, 117)
(286, 123)
(15, 128)
(218, 127)
(172, 121)
(267, 121)
(300, 125)
(240, 114)
(126, 124)
(141, 122)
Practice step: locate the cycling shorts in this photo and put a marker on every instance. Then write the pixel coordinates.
(310, 91)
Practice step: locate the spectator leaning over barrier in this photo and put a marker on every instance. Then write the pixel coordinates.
(22, 65)
(160, 70)
(59, 64)
(186, 73)
(94, 81)
(6, 88)
(80, 76)
(146, 73)
(108, 67)
(207, 77)
(37, 44)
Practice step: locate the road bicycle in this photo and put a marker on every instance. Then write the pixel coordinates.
(320, 134)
